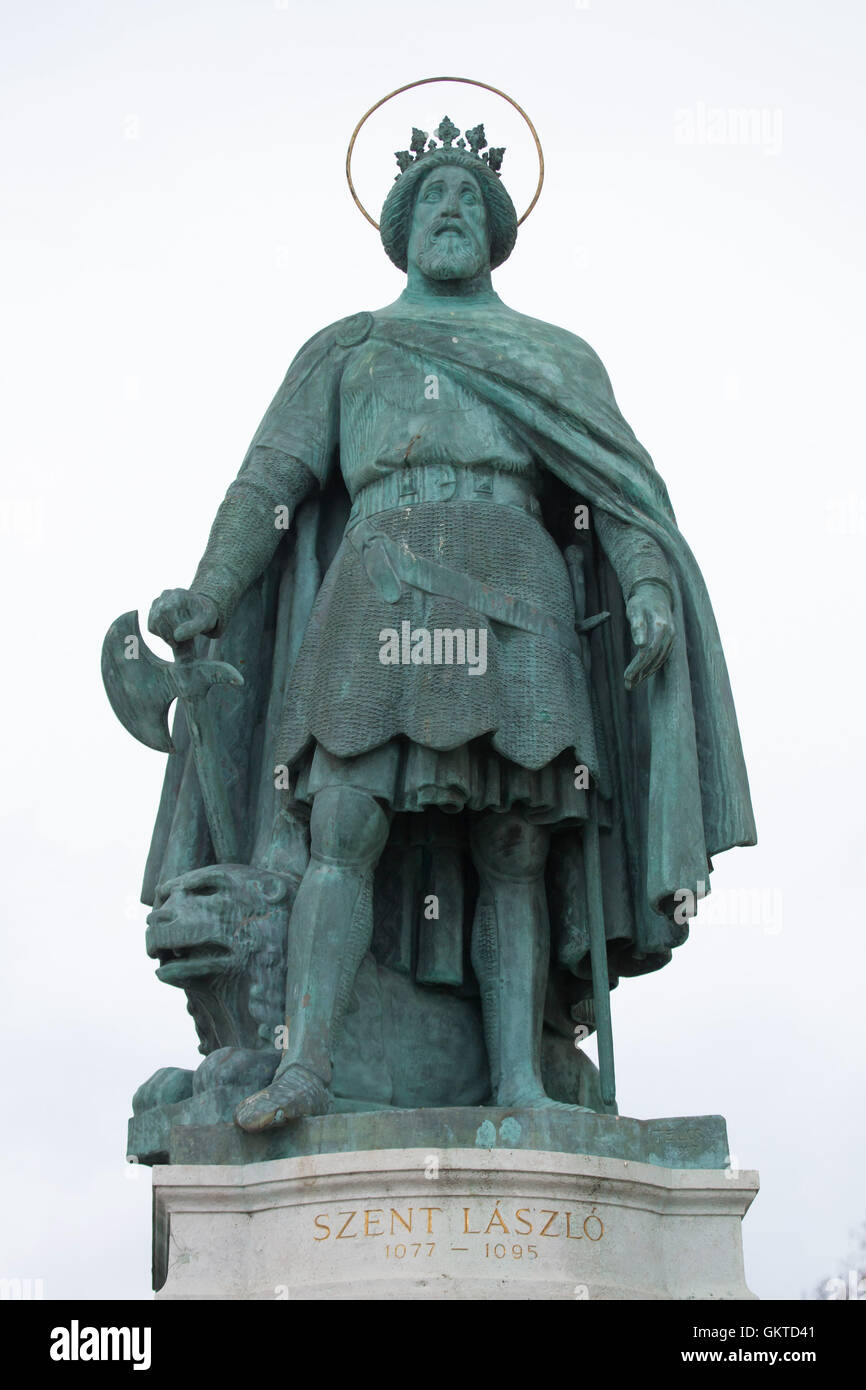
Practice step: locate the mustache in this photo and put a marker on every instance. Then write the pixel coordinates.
(448, 224)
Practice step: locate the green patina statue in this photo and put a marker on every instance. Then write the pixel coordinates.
(453, 707)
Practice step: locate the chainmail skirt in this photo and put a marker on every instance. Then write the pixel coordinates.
(419, 735)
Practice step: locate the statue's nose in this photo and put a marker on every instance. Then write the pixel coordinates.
(451, 205)
(164, 913)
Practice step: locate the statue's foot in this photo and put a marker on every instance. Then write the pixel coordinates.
(291, 1095)
(515, 1099)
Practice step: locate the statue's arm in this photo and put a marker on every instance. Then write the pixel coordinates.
(647, 587)
(252, 520)
(291, 455)
(638, 561)
(635, 557)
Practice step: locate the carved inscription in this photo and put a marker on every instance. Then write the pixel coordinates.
(459, 1230)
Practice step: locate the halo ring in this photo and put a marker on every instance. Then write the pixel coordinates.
(424, 82)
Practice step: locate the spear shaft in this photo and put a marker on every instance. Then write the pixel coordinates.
(592, 868)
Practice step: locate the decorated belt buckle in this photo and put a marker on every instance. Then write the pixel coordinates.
(446, 481)
(408, 488)
(484, 483)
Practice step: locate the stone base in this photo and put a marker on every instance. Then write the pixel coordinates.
(451, 1223)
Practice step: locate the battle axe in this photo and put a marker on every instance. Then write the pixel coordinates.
(141, 686)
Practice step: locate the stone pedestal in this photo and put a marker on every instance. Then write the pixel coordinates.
(494, 1219)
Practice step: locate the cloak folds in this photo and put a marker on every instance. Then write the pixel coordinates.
(677, 780)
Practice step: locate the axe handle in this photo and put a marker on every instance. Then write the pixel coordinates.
(203, 739)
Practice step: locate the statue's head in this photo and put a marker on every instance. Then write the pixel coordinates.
(219, 933)
(210, 922)
(449, 215)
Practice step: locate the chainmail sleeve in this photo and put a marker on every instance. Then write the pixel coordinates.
(635, 556)
(252, 520)
(292, 453)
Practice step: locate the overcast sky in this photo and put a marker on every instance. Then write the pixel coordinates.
(176, 224)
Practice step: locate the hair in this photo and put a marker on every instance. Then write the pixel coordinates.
(396, 218)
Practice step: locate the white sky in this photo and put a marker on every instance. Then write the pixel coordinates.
(176, 224)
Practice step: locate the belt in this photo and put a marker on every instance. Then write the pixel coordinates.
(389, 566)
(441, 482)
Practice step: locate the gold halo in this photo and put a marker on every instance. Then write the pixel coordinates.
(425, 81)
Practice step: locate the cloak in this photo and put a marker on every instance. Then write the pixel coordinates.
(675, 783)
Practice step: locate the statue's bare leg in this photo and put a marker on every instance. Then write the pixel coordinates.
(329, 934)
(511, 954)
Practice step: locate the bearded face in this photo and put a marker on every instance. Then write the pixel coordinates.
(449, 239)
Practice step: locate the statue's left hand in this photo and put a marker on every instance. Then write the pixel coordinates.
(652, 630)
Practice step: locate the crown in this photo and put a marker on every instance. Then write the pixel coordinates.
(475, 141)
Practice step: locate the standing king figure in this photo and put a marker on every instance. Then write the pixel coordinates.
(495, 492)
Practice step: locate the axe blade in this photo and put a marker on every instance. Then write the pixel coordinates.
(139, 684)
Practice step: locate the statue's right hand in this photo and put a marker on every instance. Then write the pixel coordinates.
(178, 615)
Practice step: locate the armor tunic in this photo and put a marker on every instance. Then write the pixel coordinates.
(437, 471)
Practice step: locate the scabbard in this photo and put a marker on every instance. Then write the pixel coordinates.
(389, 566)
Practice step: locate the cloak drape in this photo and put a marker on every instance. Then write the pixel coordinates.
(678, 788)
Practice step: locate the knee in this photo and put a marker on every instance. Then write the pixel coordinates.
(508, 846)
(347, 827)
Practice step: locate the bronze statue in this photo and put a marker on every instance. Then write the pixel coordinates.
(485, 719)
